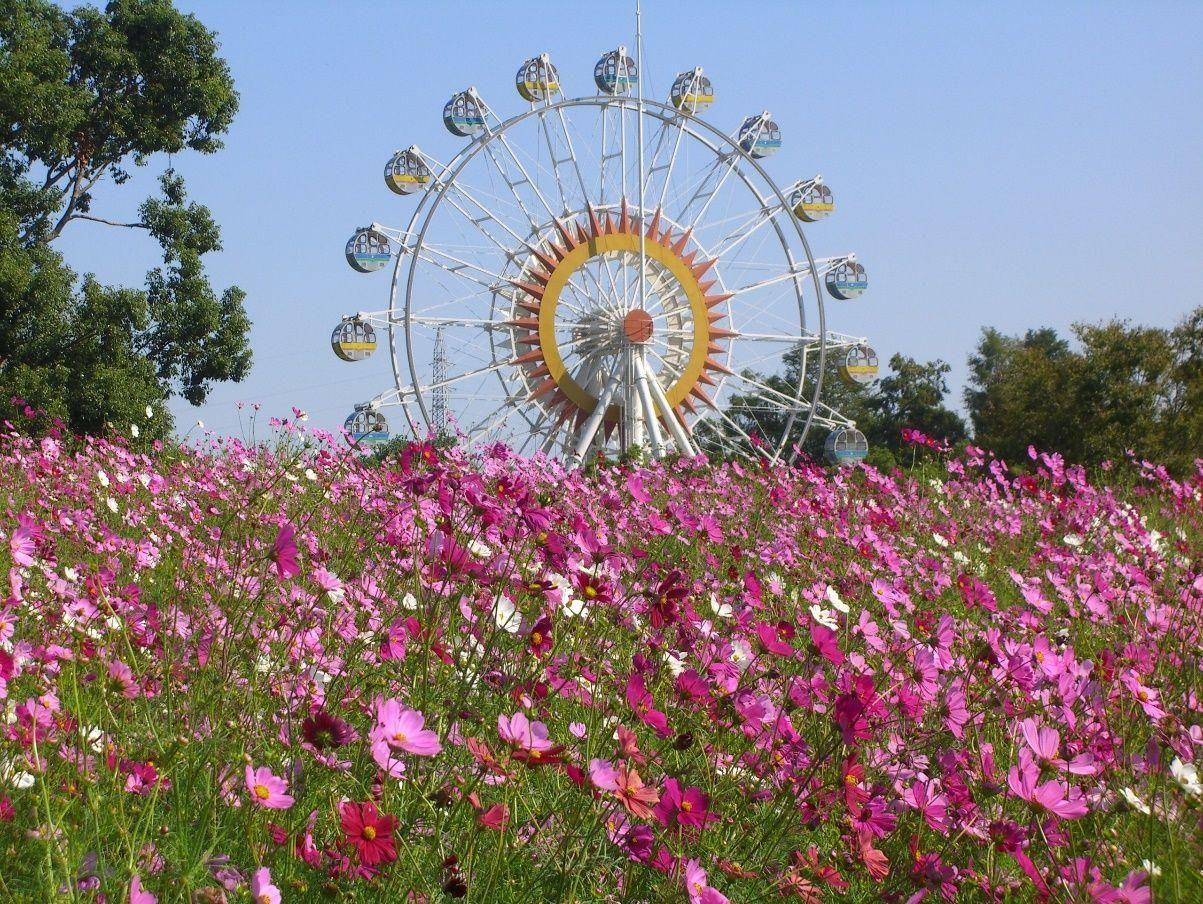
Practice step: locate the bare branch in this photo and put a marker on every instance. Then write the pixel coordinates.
(85, 216)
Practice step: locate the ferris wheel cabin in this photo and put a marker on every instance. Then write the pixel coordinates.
(537, 79)
(847, 281)
(813, 202)
(464, 115)
(691, 92)
(406, 172)
(616, 73)
(760, 136)
(845, 446)
(366, 426)
(353, 340)
(368, 250)
(859, 366)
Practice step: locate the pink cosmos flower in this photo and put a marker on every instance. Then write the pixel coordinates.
(138, 894)
(1147, 697)
(400, 728)
(626, 785)
(122, 677)
(1057, 797)
(926, 797)
(262, 890)
(23, 544)
(519, 731)
(284, 552)
(641, 701)
(824, 640)
(698, 888)
(1045, 744)
(266, 789)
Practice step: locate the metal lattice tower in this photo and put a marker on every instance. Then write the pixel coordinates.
(438, 408)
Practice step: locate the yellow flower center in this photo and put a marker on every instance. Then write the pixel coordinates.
(369, 832)
(262, 792)
(686, 806)
(590, 591)
(536, 637)
(399, 737)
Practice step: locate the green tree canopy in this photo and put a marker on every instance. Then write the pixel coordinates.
(1118, 388)
(912, 394)
(85, 96)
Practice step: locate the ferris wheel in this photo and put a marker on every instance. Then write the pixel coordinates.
(604, 272)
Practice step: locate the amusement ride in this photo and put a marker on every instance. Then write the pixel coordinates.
(603, 272)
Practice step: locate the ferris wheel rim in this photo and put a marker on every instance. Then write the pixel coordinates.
(714, 139)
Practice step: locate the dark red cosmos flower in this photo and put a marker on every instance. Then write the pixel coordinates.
(369, 832)
(591, 588)
(323, 731)
(669, 593)
(540, 636)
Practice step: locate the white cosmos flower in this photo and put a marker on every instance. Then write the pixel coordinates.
(573, 605)
(722, 610)
(1151, 868)
(940, 539)
(150, 412)
(833, 597)
(94, 738)
(1072, 540)
(1134, 801)
(134, 431)
(479, 549)
(506, 613)
(741, 654)
(111, 503)
(676, 664)
(310, 474)
(103, 478)
(409, 601)
(823, 616)
(1187, 776)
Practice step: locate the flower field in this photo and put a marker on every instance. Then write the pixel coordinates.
(251, 674)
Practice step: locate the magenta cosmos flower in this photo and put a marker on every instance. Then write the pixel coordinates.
(284, 552)
(680, 806)
(267, 790)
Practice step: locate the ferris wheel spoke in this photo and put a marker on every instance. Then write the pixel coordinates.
(487, 215)
(513, 185)
(737, 237)
(456, 266)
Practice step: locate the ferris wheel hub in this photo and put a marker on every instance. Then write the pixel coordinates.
(637, 326)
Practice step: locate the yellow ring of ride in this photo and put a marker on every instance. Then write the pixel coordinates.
(574, 260)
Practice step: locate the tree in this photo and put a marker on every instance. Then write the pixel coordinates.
(1122, 388)
(912, 395)
(85, 96)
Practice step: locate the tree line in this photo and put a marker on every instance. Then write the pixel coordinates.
(1105, 390)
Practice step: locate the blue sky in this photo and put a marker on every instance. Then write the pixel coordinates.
(1014, 165)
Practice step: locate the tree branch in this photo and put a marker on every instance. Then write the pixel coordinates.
(85, 216)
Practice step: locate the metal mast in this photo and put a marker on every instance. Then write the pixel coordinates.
(438, 407)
